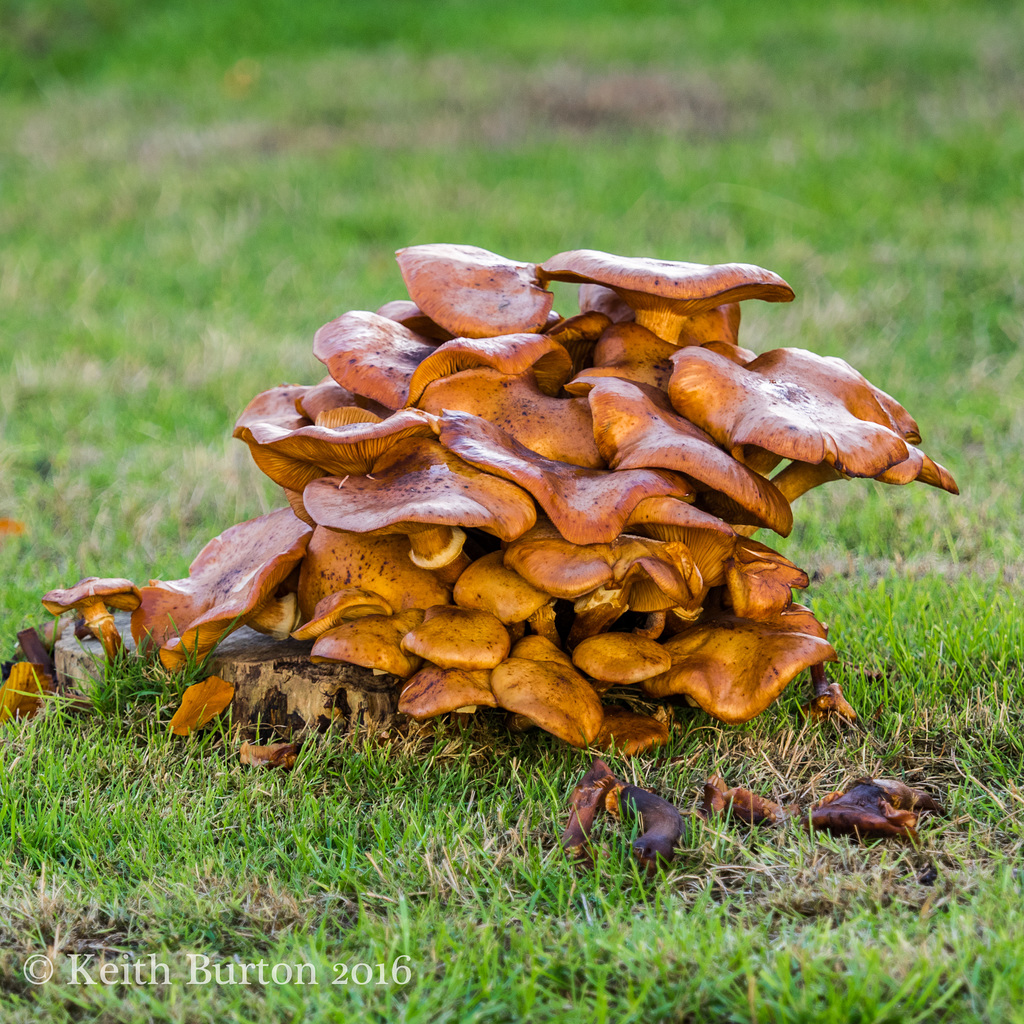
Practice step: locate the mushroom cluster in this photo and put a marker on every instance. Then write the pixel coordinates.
(507, 508)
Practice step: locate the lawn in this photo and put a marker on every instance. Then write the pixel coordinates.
(187, 191)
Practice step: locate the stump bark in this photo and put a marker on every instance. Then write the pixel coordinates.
(278, 690)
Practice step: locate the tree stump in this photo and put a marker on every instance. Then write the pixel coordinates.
(278, 690)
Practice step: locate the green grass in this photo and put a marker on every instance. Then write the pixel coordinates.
(187, 191)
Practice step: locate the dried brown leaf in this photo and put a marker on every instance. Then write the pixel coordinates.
(872, 809)
(277, 755)
(741, 803)
(587, 801)
(22, 692)
(201, 702)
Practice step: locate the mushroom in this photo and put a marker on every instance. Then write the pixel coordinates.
(620, 659)
(628, 352)
(556, 428)
(373, 641)
(343, 606)
(92, 598)
(421, 489)
(472, 292)
(464, 638)
(793, 404)
(586, 505)
(664, 294)
(372, 355)
(630, 733)
(280, 406)
(408, 314)
(437, 691)
(734, 668)
(659, 821)
(579, 334)
(234, 578)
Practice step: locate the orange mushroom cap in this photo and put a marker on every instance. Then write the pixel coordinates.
(465, 638)
(472, 292)
(437, 691)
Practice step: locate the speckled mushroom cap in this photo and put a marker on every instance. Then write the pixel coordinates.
(472, 292)
(229, 582)
(587, 506)
(372, 355)
(347, 604)
(379, 564)
(734, 668)
(665, 293)
(408, 314)
(629, 732)
(556, 428)
(792, 404)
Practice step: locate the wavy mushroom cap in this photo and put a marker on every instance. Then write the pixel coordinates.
(579, 335)
(230, 581)
(666, 293)
(294, 458)
(280, 406)
(408, 314)
(620, 658)
(372, 355)
(760, 581)
(587, 506)
(791, 404)
(322, 396)
(556, 428)
(108, 591)
(636, 428)
(628, 352)
(734, 668)
(347, 604)
(472, 292)
(508, 353)
(630, 733)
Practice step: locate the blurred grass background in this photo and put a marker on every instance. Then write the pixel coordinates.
(188, 190)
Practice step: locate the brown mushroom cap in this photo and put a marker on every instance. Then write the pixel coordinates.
(437, 691)
(491, 587)
(293, 458)
(229, 582)
(598, 299)
(347, 604)
(628, 352)
(635, 428)
(734, 668)
(465, 638)
(372, 355)
(325, 395)
(586, 505)
(793, 404)
(556, 698)
(508, 353)
(760, 580)
(280, 406)
(556, 428)
(540, 648)
(579, 334)
(665, 293)
(91, 598)
(630, 733)
(379, 564)
(373, 641)
(408, 314)
(472, 292)
(620, 658)
(417, 484)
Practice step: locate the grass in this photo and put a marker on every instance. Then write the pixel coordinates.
(187, 191)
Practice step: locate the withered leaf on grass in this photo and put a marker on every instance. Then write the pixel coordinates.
(22, 692)
(586, 802)
(740, 803)
(277, 755)
(10, 528)
(201, 702)
(660, 823)
(872, 809)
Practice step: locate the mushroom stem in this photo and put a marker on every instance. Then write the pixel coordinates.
(595, 612)
(99, 620)
(819, 681)
(653, 627)
(436, 546)
(663, 322)
(542, 622)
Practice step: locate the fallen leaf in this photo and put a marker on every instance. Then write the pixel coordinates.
(22, 692)
(201, 702)
(660, 823)
(587, 801)
(740, 803)
(872, 809)
(11, 528)
(277, 755)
